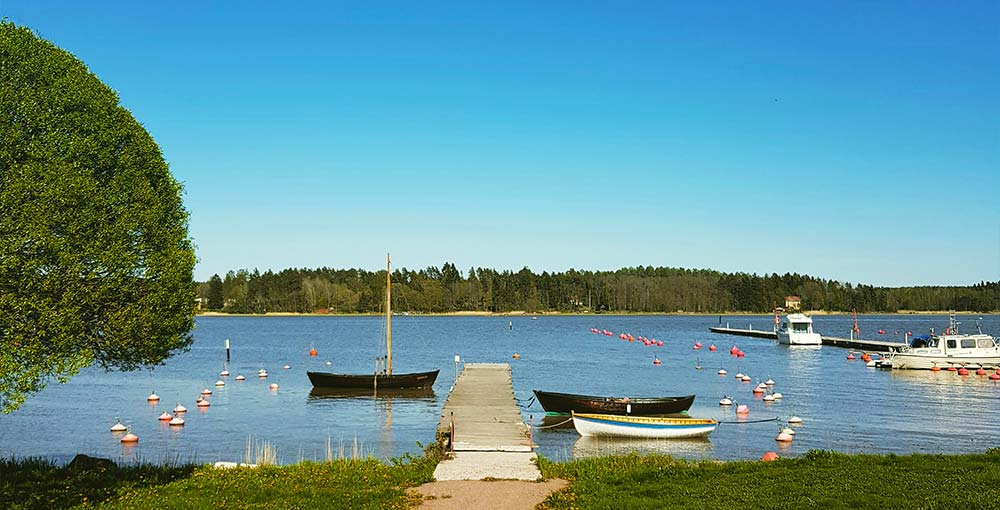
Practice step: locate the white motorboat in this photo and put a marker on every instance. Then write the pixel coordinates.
(651, 427)
(797, 329)
(948, 350)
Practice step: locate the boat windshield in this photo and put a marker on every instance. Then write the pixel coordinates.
(800, 327)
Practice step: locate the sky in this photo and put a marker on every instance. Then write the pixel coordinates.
(852, 141)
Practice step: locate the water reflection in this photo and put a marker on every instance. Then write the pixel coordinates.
(321, 394)
(591, 446)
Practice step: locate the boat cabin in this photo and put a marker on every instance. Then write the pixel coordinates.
(797, 323)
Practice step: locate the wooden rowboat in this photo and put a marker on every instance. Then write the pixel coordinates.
(607, 425)
(642, 406)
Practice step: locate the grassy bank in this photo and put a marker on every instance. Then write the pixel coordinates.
(345, 483)
(818, 480)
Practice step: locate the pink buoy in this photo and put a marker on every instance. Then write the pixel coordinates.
(783, 437)
(165, 417)
(995, 376)
(850, 356)
(740, 354)
(769, 456)
(130, 438)
(963, 371)
(981, 371)
(711, 348)
(656, 361)
(742, 409)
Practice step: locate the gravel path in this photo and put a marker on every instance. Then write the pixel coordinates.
(486, 495)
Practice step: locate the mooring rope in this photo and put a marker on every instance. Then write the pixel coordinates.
(750, 421)
(556, 425)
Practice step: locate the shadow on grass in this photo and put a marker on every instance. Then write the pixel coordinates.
(34, 483)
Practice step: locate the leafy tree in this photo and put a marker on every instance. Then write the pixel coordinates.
(95, 259)
(215, 296)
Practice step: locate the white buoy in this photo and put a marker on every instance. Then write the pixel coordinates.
(762, 386)
(783, 437)
(739, 375)
(286, 367)
(262, 374)
(788, 430)
(768, 398)
(165, 416)
(746, 378)
(273, 386)
(220, 383)
(726, 401)
(206, 391)
(180, 408)
(769, 382)
(776, 395)
(177, 422)
(722, 371)
(118, 427)
(153, 397)
(224, 373)
(204, 403)
(795, 419)
(240, 377)
(328, 363)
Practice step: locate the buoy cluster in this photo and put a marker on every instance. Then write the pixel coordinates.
(176, 418)
(763, 390)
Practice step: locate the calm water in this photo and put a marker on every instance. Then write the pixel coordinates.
(846, 406)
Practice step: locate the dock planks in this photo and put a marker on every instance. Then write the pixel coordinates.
(856, 343)
(491, 439)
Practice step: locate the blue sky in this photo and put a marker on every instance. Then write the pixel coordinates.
(852, 141)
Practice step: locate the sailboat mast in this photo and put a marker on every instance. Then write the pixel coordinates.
(388, 312)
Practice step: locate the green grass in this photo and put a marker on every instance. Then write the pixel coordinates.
(36, 483)
(820, 479)
(344, 483)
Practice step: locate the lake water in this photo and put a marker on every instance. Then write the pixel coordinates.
(845, 406)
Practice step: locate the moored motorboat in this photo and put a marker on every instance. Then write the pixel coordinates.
(948, 350)
(798, 330)
(649, 427)
(639, 406)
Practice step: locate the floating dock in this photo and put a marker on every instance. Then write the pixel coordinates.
(849, 343)
(483, 428)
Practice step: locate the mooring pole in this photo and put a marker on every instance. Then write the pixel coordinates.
(227, 350)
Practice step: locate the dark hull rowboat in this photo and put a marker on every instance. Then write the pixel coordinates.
(642, 406)
(371, 381)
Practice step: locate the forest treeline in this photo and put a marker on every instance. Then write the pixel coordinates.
(630, 290)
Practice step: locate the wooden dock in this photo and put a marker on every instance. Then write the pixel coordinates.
(483, 427)
(849, 343)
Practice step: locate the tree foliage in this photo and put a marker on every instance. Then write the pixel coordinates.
(95, 260)
(630, 290)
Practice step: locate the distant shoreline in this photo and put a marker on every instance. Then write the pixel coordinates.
(574, 314)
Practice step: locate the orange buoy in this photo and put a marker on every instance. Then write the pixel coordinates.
(850, 356)
(963, 371)
(312, 352)
(769, 456)
(935, 368)
(995, 376)
(656, 361)
(130, 438)
(952, 368)
(165, 417)
(981, 371)
(516, 356)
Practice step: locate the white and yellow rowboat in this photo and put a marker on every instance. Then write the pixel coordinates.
(608, 425)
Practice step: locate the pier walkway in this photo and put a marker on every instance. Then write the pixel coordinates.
(850, 343)
(490, 437)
